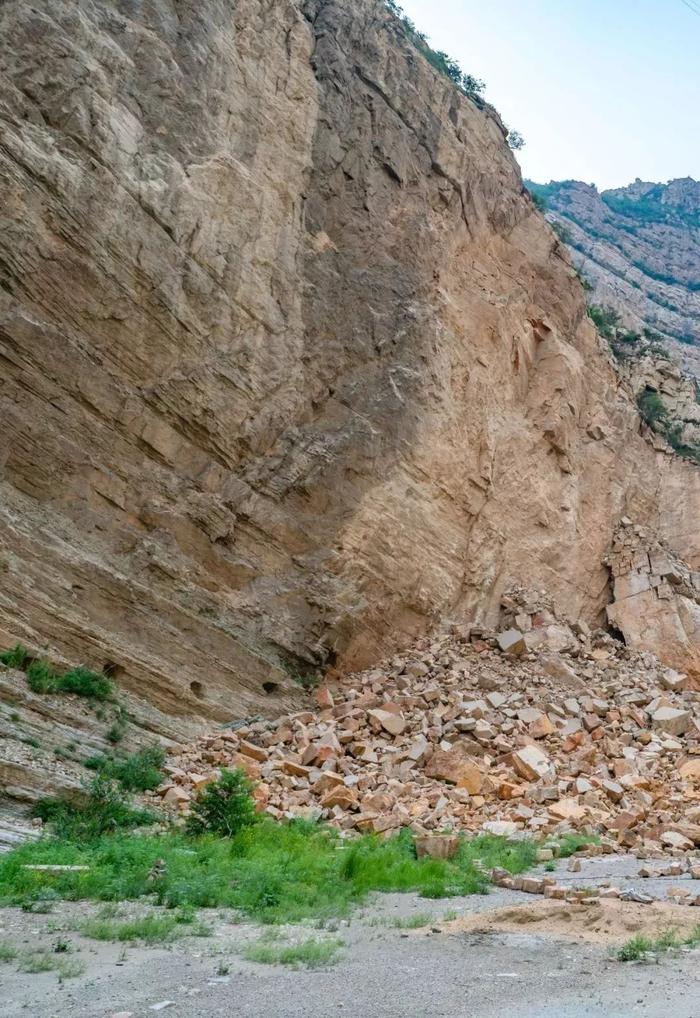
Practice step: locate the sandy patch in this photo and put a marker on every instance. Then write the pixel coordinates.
(607, 922)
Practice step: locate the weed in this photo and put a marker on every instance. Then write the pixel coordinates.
(136, 773)
(84, 682)
(449, 916)
(40, 900)
(15, 657)
(43, 961)
(115, 733)
(7, 951)
(14, 717)
(37, 961)
(568, 844)
(41, 678)
(413, 922)
(69, 968)
(152, 929)
(110, 910)
(61, 946)
(223, 968)
(309, 953)
(550, 866)
(635, 948)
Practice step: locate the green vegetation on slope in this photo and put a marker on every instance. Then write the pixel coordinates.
(443, 63)
(638, 946)
(136, 773)
(42, 678)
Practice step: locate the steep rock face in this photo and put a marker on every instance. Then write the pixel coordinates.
(677, 391)
(639, 248)
(657, 599)
(291, 366)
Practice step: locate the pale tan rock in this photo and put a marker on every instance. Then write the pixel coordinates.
(394, 724)
(253, 751)
(541, 727)
(671, 720)
(690, 770)
(345, 798)
(566, 809)
(531, 762)
(436, 846)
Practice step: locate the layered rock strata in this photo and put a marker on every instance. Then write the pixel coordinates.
(291, 365)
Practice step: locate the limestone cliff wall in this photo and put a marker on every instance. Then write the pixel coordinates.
(290, 363)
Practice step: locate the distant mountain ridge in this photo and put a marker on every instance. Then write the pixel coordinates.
(638, 247)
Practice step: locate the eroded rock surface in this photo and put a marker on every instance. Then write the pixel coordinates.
(657, 599)
(291, 365)
(639, 248)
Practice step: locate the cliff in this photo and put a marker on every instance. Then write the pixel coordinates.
(291, 364)
(639, 248)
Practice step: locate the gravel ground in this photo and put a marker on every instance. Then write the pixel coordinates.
(383, 971)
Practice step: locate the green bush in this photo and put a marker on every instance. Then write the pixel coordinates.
(605, 319)
(85, 682)
(102, 809)
(225, 806)
(136, 773)
(652, 409)
(41, 678)
(15, 657)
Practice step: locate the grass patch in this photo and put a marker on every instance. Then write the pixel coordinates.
(312, 953)
(7, 951)
(152, 929)
(70, 968)
(15, 657)
(84, 682)
(34, 962)
(638, 946)
(136, 773)
(270, 872)
(568, 844)
(413, 922)
(102, 809)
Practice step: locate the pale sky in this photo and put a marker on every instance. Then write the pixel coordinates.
(603, 91)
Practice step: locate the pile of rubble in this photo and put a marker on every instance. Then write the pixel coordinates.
(541, 727)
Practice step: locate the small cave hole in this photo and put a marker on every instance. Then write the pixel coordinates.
(197, 688)
(270, 687)
(617, 634)
(112, 670)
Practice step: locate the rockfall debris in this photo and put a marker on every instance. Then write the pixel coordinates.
(540, 728)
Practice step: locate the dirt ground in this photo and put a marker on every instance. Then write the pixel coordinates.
(506, 954)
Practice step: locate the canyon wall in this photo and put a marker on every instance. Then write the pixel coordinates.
(290, 364)
(639, 249)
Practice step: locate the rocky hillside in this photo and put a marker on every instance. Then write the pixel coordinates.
(639, 248)
(292, 366)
